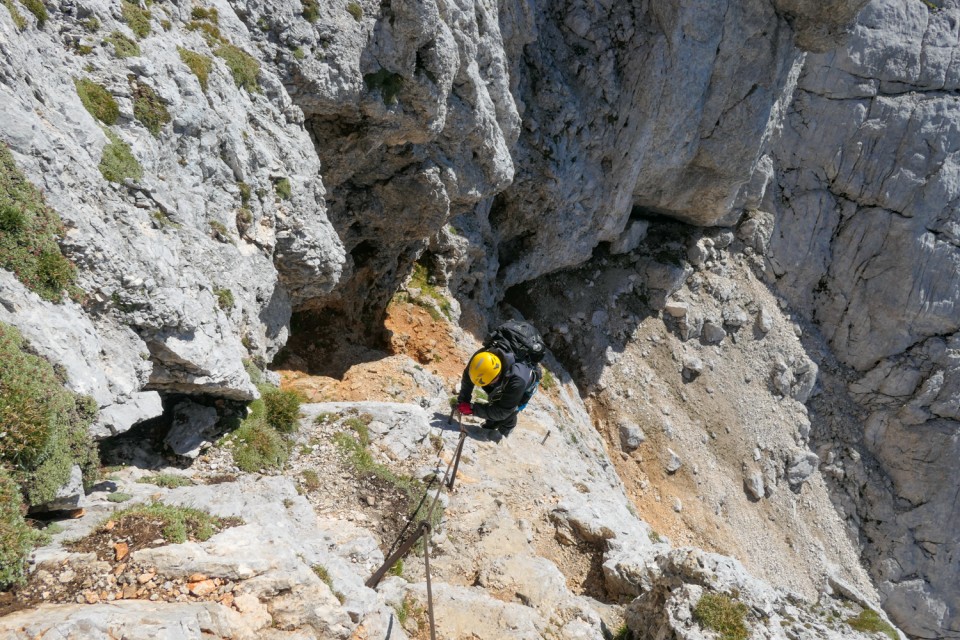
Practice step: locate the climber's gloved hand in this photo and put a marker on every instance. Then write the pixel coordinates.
(465, 408)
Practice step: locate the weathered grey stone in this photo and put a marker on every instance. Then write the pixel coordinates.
(676, 309)
(713, 333)
(193, 426)
(673, 462)
(692, 367)
(800, 466)
(631, 435)
(753, 483)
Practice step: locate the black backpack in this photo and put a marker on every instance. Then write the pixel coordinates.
(519, 338)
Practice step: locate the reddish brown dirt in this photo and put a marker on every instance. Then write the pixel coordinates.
(379, 375)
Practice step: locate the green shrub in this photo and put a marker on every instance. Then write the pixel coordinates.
(245, 192)
(298, 53)
(18, 20)
(355, 10)
(148, 108)
(28, 235)
(549, 381)
(311, 10)
(118, 163)
(179, 524)
(311, 481)
(224, 298)
(118, 496)
(16, 537)
(419, 279)
(198, 63)
(210, 32)
(282, 408)
(123, 46)
(37, 8)
(722, 614)
(45, 425)
(389, 84)
(257, 446)
(282, 185)
(91, 24)
(869, 621)
(97, 100)
(166, 480)
(136, 18)
(242, 65)
(203, 13)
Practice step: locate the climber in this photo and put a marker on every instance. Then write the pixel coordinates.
(507, 368)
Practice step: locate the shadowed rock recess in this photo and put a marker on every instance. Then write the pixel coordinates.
(735, 223)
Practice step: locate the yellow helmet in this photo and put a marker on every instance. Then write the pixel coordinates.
(484, 368)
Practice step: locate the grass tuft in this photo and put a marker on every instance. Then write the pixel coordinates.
(18, 20)
(420, 280)
(118, 163)
(123, 46)
(166, 480)
(224, 298)
(311, 10)
(179, 524)
(198, 63)
(38, 9)
(355, 10)
(28, 235)
(282, 409)
(148, 108)
(97, 100)
(282, 185)
(722, 614)
(242, 65)
(869, 621)
(136, 18)
(118, 496)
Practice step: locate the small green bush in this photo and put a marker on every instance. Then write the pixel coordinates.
(91, 24)
(179, 524)
(224, 298)
(242, 65)
(245, 193)
(136, 18)
(198, 63)
(203, 13)
(257, 446)
(97, 100)
(18, 20)
(210, 32)
(722, 614)
(118, 163)
(123, 46)
(869, 621)
(311, 481)
(166, 480)
(549, 381)
(389, 84)
(419, 279)
(311, 10)
(118, 496)
(282, 186)
(355, 10)
(148, 108)
(37, 8)
(298, 53)
(45, 425)
(16, 537)
(28, 235)
(282, 409)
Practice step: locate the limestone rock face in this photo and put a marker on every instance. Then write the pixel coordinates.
(866, 242)
(202, 255)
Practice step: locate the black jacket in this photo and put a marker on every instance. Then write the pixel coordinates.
(505, 395)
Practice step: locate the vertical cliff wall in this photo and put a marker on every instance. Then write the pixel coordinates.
(867, 243)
